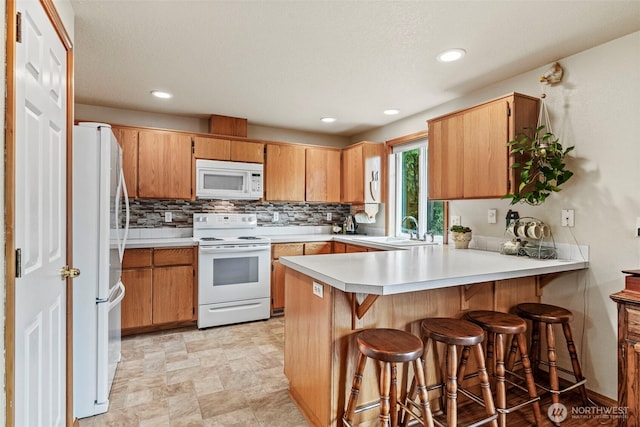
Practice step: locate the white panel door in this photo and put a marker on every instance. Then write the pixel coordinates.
(40, 138)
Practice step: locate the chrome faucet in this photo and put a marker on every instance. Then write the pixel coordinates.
(413, 234)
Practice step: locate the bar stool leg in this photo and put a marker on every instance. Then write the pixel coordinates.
(484, 384)
(535, 345)
(427, 417)
(528, 375)
(385, 387)
(394, 395)
(451, 386)
(501, 390)
(553, 366)
(513, 352)
(489, 359)
(355, 390)
(577, 371)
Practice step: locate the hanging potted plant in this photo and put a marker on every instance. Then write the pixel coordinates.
(542, 167)
(461, 236)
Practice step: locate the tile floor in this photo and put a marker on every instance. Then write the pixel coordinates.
(225, 376)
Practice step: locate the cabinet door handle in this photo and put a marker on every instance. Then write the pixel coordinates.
(636, 347)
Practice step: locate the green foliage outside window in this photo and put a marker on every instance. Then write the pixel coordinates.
(411, 192)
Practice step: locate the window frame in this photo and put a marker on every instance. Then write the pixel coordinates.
(394, 146)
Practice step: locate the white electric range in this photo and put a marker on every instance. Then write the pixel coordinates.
(233, 269)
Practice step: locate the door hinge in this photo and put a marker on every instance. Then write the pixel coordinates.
(193, 146)
(19, 27)
(18, 262)
(508, 111)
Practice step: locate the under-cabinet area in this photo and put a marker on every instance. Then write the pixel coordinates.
(161, 288)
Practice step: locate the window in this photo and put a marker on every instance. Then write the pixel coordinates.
(410, 164)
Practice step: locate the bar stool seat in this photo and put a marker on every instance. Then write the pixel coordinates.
(550, 315)
(389, 347)
(453, 333)
(497, 325)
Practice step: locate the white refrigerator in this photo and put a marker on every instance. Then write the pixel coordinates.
(100, 226)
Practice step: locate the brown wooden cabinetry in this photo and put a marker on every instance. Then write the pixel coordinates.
(322, 175)
(468, 154)
(227, 149)
(277, 272)
(164, 165)
(628, 355)
(160, 288)
(128, 139)
(284, 173)
(362, 175)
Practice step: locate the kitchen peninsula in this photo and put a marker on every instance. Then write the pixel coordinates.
(331, 297)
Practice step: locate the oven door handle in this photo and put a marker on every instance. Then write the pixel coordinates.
(226, 249)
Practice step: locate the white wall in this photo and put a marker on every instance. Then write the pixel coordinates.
(194, 124)
(596, 108)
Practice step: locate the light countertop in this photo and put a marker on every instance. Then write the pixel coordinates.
(420, 268)
(138, 243)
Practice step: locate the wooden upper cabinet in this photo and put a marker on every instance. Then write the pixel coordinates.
(362, 174)
(284, 173)
(322, 175)
(164, 165)
(128, 139)
(245, 151)
(225, 149)
(211, 148)
(444, 159)
(468, 153)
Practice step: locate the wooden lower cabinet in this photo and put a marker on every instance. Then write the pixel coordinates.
(172, 294)
(628, 355)
(161, 288)
(277, 269)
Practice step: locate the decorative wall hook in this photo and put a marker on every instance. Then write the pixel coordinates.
(553, 75)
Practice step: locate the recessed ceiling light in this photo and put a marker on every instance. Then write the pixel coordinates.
(451, 55)
(161, 94)
(328, 119)
(391, 112)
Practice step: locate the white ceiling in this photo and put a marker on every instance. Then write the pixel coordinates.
(289, 63)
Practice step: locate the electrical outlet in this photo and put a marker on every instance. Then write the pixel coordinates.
(276, 217)
(456, 220)
(168, 217)
(568, 217)
(318, 290)
(329, 216)
(492, 216)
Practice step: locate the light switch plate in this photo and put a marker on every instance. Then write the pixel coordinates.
(168, 217)
(276, 217)
(492, 216)
(456, 220)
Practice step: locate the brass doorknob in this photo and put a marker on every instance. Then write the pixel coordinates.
(71, 272)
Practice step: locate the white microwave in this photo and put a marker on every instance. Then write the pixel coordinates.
(217, 179)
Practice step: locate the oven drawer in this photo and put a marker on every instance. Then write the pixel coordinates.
(227, 313)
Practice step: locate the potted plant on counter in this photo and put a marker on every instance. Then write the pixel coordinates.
(461, 236)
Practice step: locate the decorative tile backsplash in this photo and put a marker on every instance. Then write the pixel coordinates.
(150, 213)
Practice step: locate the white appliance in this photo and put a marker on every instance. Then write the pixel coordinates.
(233, 269)
(100, 226)
(217, 179)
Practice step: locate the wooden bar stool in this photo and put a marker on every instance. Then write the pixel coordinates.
(497, 325)
(389, 347)
(549, 315)
(453, 333)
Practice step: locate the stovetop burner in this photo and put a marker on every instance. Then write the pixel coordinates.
(210, 239)
(249, 238)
